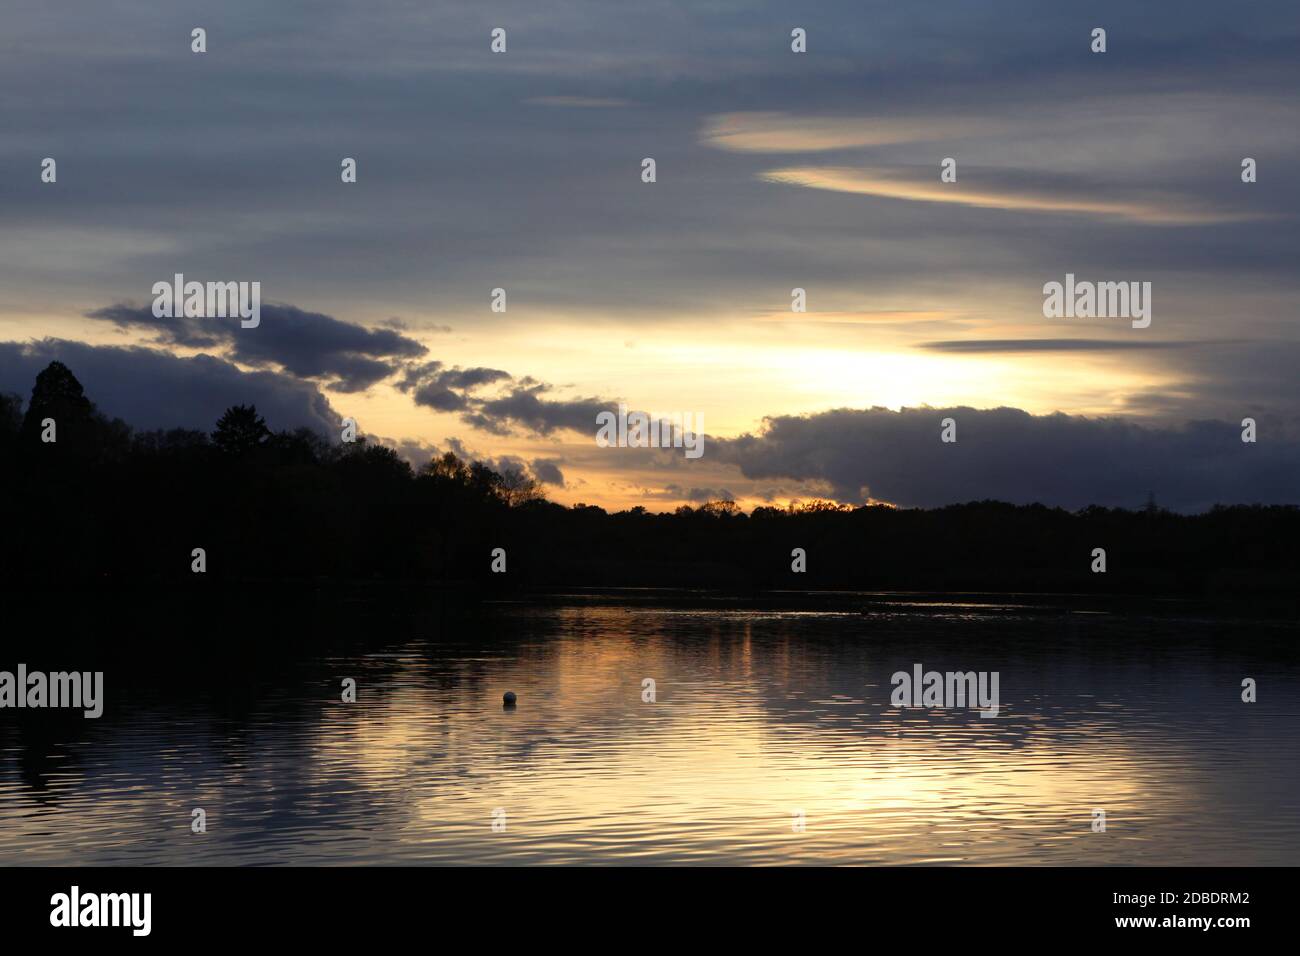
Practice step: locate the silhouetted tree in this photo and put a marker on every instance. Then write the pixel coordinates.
(11, 419)
(816, 506)
(240, 430)
(447, 468)
(58, 395)
(11, 413)
(517, 488)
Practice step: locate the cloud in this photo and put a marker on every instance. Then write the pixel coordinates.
(434, 385)
(981, 346)
(440, 399)
(698, 494)
(524, 407)
(150, 389)
(435, 375)
(519, 404)
(1011, 455)
(860, 317)
(343, 356)
(1006, 190)
(773, 132)
(547, 471)
(418, 453)
(471, 378)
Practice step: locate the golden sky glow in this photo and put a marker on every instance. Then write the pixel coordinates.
(775, 172)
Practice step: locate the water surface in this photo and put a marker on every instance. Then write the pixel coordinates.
(762, 718)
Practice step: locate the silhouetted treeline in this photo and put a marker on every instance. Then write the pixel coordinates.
(104, 504)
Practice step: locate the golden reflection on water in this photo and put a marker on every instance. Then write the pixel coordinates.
(760, 721)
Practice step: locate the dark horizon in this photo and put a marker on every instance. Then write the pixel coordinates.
(102, 502)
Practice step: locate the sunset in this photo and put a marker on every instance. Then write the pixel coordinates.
(727, 434)
(523, 172)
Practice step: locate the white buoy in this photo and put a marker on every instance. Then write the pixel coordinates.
(509, 698)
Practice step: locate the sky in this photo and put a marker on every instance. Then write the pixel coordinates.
(775, 170)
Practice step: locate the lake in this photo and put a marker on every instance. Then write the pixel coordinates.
(770, 739)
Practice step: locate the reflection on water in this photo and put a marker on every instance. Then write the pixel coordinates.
(758, 715)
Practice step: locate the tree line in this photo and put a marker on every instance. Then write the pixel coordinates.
(107, 505)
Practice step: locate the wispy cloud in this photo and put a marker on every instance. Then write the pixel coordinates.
(863, 317)
(915, 185)
(1058, 345)
(773, 132)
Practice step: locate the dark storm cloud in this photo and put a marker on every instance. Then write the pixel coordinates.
(440, 399)
(150, 389)
(519, 404)
(344, 356)
(1010, 455)
(470, 378)
(526, 408)
(435, 376)
(443, 389)
(196, 333)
